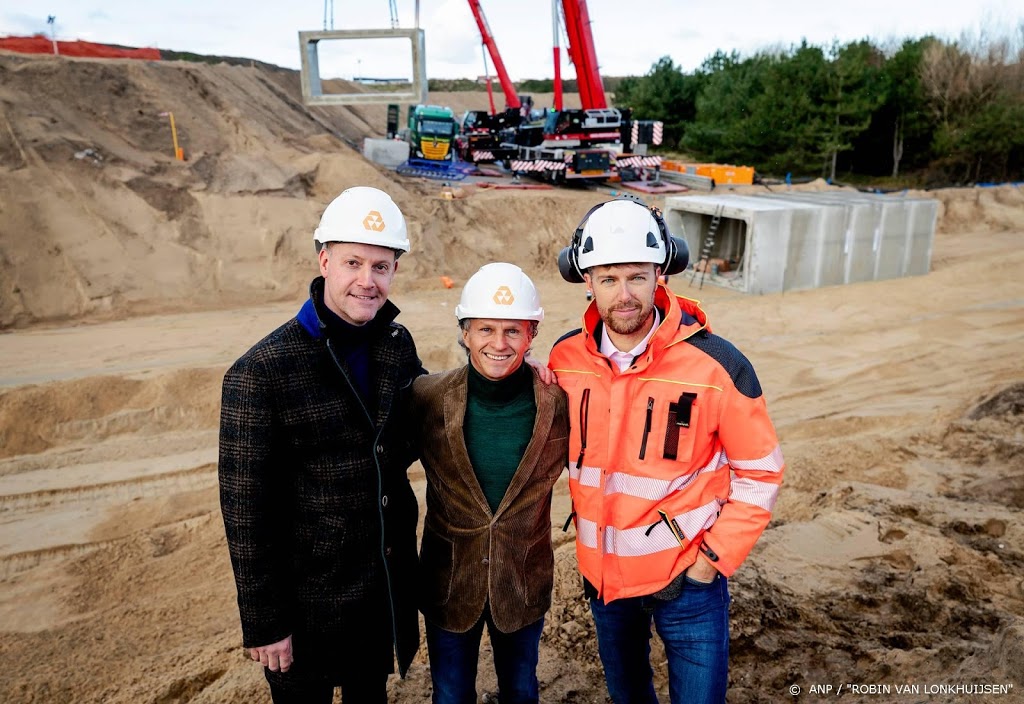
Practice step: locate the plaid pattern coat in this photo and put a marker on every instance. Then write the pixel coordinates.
(319, 513)
(469, 555)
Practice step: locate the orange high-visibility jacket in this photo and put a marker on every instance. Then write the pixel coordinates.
(674, 455)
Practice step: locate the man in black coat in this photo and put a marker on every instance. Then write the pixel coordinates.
(314, 448)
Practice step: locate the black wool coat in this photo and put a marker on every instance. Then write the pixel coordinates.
(318, 510)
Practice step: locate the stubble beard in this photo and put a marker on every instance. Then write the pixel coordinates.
(630, 326)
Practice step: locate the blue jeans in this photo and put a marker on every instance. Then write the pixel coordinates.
(695, 630)
(454, 656)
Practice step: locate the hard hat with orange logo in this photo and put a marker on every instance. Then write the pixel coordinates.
(500, 291)
(364, 215)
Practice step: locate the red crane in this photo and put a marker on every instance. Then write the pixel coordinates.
(582, 54)
(511, 97)
(585, 143)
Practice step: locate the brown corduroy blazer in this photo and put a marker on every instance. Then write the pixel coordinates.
(469, 556)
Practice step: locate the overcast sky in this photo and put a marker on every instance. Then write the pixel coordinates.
(630, 35)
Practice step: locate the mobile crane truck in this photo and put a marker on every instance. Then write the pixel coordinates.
(570, 144)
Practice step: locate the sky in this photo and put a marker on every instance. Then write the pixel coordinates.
(630, 36)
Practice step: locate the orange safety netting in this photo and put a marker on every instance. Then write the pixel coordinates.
(40, 44)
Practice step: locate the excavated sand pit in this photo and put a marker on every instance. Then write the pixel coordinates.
(129, 283)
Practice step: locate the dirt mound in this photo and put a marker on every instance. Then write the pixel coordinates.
(981, 209)
(36, 418)
(99, 220)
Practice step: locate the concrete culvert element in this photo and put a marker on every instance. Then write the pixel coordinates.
(799, 240)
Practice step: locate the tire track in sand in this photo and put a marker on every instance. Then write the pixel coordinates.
(190, 479)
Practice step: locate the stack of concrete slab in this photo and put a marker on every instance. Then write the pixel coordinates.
(794, 240)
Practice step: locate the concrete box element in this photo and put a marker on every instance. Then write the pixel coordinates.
(312, 89)
(787, 241)
(386, 152)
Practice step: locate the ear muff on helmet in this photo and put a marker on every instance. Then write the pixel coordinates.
(677, 252)
(568, 258)
(568, 266)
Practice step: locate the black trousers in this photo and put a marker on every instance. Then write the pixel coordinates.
(316, 690)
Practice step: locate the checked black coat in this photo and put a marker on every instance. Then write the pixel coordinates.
(318, 510)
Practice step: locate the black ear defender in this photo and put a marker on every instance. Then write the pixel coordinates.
(677, 252)
(568, 258)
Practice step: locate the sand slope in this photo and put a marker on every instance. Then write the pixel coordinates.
(895, 556)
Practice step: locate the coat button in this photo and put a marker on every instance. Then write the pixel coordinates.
(380, 449)
(384, 500)
(486, 561)
(387, 551)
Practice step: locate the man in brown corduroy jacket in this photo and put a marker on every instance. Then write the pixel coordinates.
(493, 440)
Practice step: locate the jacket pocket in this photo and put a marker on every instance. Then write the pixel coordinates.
(538, 571)
(681, 428)
(325, 564)
(437, 563)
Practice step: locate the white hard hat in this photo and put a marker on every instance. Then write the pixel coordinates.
(500, 291)
(364, 215)
(621, 232)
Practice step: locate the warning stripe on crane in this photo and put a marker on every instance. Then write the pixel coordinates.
(656, 133)
(537, 165)
(635, 161)
(482, 155)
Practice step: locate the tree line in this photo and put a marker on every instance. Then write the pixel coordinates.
(928, 111)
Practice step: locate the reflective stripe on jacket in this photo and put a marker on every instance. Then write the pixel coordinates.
(674, 455)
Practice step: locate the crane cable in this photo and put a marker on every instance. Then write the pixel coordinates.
(326, 3)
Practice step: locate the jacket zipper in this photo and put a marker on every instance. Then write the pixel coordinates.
(647, 426)
(584, 413)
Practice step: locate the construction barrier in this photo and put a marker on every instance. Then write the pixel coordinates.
(721, 174)
(41, 44)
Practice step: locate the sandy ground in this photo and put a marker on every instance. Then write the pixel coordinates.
(129, 283)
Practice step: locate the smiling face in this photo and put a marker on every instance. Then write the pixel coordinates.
(496, 347)
(358, 278)
(624, 294)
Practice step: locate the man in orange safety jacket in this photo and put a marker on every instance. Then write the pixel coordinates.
(674, 463)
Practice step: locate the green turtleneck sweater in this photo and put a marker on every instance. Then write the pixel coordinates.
(498, 427)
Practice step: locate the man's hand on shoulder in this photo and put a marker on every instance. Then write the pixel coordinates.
(545, 373)
(276, 657)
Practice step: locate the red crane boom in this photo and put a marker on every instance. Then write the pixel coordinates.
(583, 54)
(511, 97)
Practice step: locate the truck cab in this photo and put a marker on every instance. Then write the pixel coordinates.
(432, 132)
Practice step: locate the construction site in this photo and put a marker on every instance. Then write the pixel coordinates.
(137, 263)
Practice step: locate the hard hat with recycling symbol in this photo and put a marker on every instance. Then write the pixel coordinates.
(500, 291)
(364, 215)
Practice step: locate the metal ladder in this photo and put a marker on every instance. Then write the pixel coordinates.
(709, 245)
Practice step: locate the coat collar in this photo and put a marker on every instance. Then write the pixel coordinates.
(312, 318)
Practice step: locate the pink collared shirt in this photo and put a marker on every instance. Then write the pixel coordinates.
(624, 359)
